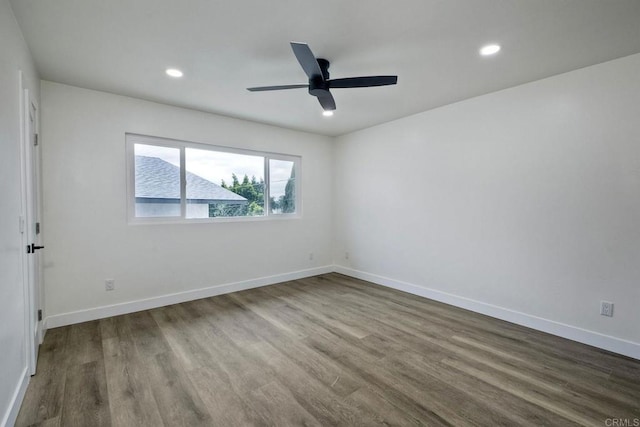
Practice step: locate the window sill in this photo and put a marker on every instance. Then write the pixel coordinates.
(216, 220)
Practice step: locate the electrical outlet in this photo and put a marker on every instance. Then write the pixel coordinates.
(109, 285)
(606, 308)
(310, 256)
(346, 255)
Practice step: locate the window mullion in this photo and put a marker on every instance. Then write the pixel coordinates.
(183, 184)
(267, 196)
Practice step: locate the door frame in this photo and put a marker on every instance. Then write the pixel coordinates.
(30, 214)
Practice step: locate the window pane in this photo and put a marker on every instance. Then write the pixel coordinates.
(223, 184)
(157, 181)
(282, 186)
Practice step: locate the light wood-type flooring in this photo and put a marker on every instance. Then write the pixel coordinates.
(328, 350)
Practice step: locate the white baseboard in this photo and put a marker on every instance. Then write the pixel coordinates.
(606, 342)
(161, 301)
(16, 400)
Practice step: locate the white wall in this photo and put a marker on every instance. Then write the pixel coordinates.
(527, 199)
(85, 221)
(14, 56)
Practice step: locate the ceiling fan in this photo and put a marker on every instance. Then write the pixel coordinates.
(317, 69)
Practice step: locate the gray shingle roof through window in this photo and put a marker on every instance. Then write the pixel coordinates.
(158, 179)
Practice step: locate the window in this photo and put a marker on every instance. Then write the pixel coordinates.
(173, 180)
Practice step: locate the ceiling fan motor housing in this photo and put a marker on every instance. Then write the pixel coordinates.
(318, 85)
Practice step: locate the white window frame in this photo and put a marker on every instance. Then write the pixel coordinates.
(131, 139)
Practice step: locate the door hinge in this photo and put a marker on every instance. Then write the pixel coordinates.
(35, 139)
(37, 228)
(39, 315)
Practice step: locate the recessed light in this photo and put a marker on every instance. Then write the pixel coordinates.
(327, 113)
(490, 49)
(174, 72)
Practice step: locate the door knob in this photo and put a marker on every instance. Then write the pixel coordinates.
(34, 247)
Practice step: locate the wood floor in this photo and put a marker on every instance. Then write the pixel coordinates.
(328, 350)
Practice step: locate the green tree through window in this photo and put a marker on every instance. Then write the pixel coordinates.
(252, 190)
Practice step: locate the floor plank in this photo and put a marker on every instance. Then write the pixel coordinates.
(177, 400)
(46, 389)
(86, 402)
(131, 398)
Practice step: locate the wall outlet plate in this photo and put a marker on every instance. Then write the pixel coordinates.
(606, 308)
(109, 285)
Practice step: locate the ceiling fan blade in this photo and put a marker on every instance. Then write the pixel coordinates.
(307, 59)
(327, 101)
(263, 88)
(363, 81)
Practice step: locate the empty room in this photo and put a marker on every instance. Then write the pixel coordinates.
(288, 213)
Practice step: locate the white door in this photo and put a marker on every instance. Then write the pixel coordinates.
(31, 229)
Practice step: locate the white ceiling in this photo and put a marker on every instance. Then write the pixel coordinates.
(124, 46)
